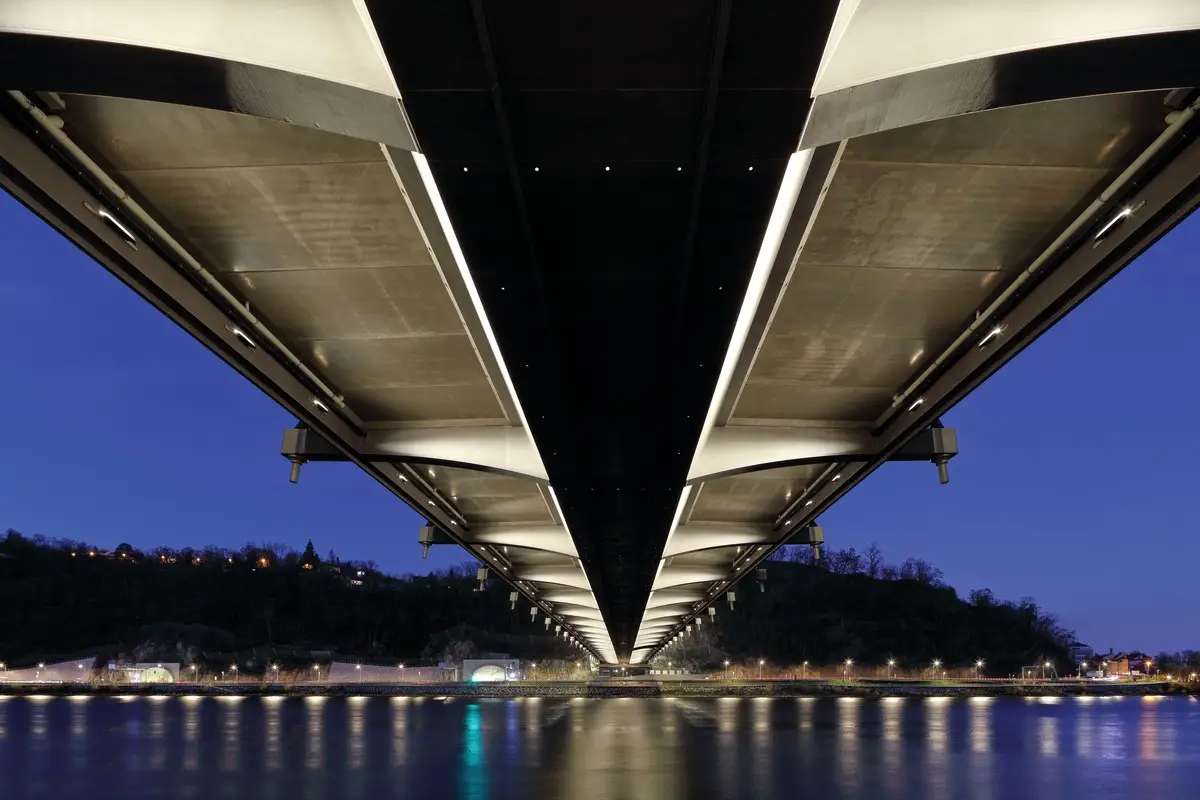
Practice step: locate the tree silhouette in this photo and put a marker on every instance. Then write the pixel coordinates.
(309, 559)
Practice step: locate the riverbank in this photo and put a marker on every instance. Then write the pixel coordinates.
(617, 689)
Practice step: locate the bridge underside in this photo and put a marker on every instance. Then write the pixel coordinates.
(619, 298)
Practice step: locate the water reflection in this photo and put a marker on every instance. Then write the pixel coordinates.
(79, 709)
(982, 775)
(314, 752)
(230, 738)
(399, 731)
(937, 735)
(473, 779)
(355, 750)
(891, 714)
(272, 706)
(191, 733)
(588, 748)
(1048, 736)
(849, 709)
(726, 723)
(761, 711)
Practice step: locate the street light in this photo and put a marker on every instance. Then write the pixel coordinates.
(978, 666)
(235, 674)
(846, 670)
(761, 661)
(804, 670)
(891, 666)
(937, 662)
(727, 669)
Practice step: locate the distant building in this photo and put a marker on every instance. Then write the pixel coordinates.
(1127, 665)
(1080, 652)
(144, 673)
(491, 670)
(353, 672)
(76, 671)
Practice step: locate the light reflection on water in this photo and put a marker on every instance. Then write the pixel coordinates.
(581, 748)
(314, 754)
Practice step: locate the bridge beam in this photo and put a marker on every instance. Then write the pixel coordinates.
(694, 537)
(323, 74)
(736, 450)
(547, 538)
(502, 450)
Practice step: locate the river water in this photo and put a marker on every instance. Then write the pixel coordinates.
(659, 749)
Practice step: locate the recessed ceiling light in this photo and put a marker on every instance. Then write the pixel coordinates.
(607, 168)
(242, 336)
(992, 334)
(751, 169)
(464, 169)
(536, 169)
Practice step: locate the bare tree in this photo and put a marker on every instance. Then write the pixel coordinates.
(874, 561)
(922, 571)
(982, 597)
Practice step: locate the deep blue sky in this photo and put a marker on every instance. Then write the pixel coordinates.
(1075, 485)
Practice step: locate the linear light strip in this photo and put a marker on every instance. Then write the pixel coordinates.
(460, 262)
(781, 214)
(785, 203)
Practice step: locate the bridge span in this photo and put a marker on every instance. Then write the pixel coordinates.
(619, 296)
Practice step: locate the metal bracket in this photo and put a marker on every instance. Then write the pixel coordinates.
(428, 536)
(811, 535)
(936, 444)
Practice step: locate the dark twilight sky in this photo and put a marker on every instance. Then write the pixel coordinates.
(1076, 484)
